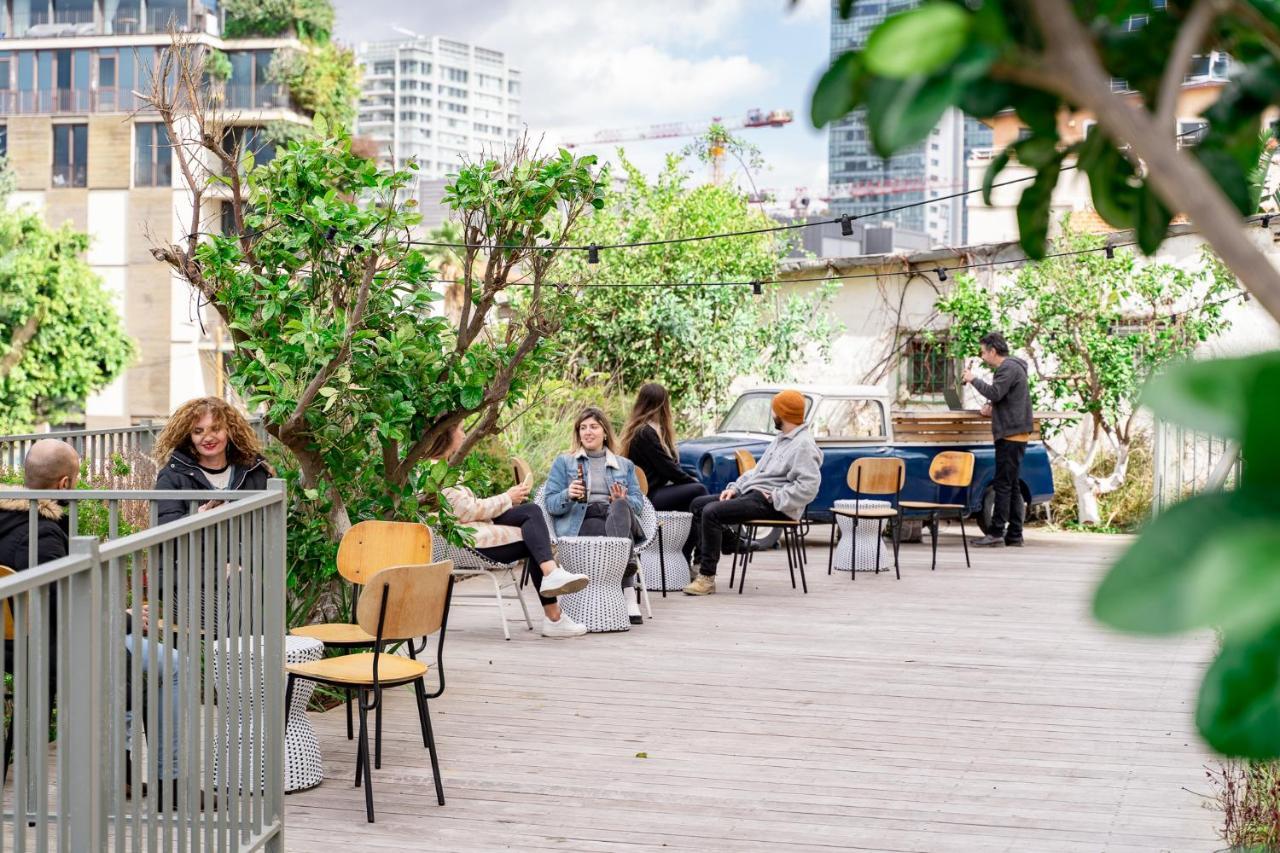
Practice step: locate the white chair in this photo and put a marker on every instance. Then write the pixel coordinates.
(470, 563)
(662, 561)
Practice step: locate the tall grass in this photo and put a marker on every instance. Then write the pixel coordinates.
(1121, 511)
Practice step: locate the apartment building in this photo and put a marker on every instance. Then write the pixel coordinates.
(435, 100)
(863, 183)
(83, 151)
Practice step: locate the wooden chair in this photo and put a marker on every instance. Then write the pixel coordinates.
(952, 468)
(872, 476)
(793, 535)
(470, 563)
(399, 601)
(745, 461)
(367, 548)
(643, 479)
(520, 471)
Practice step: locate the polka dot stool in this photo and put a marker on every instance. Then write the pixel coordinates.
(675, 530)
(869, 542)
(602, 604)
(302, 764)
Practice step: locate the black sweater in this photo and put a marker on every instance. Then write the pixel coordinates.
(51, 531)
(182, 473)
(652, 458)
(1010, 398)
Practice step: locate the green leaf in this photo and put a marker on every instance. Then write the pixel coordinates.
(1109, 173)
(1211, 396)
(920, 41)
(903, 112)
(1034, 209)
(1152, 220)
(1239, 709)
(1227, 174)
(472, 395)
(1036, 151)
(994, 168)
(1212, 560)
(840, 90)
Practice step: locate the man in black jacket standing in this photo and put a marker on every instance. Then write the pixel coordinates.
(1009, 408)
(50, 464)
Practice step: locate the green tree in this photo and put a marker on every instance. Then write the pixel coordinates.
(1212, 560)
(61, 339)
(323, 80)
(694, 340)
(333, 317)
(310, 20)
(1094, 329)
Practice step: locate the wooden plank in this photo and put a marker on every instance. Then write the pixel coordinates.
(962, 709)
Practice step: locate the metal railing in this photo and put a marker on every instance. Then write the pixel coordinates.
(97, 446)
(1186, 462)
(201, 692)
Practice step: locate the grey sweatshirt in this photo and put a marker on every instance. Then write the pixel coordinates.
(1010, 398)
(790, 471)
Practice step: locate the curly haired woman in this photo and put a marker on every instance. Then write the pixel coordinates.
(207, 445)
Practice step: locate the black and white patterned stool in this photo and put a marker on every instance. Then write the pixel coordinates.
(869, 542)
(602, 604)
(675, 528)
(302, 764)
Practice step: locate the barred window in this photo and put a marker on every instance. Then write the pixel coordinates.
(928, 369)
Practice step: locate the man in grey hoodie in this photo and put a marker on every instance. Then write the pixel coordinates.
(1010, 412)
(781, 485)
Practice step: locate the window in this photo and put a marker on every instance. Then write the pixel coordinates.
(70, 155)
(453, 92)
(453, 108)
(252, 139)
(457, 75)
(513, 87)
(152, 156)
(929, 371)
(1192, 132)
(754, 413)
(848, 418)
(4, 72)
(228, 218)
(106, 72)
(4, 140)
(384, 68)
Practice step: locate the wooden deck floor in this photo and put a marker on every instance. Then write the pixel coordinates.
(967, 709)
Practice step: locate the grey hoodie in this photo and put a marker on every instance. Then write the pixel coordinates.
(1010, 398)
(790, 471)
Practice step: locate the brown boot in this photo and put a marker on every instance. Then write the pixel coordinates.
(702, 585)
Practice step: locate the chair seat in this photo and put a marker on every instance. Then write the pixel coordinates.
(335, 634)
(357, 670)
(867, 512)
(771, 522)
(928, 505)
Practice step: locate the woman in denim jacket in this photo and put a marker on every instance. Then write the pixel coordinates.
(592, 491)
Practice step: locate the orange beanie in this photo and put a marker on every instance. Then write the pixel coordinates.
(789, 405)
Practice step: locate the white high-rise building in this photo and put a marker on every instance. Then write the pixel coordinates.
(435, 100)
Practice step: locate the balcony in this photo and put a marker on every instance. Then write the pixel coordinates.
(246, 96)
(81, 22)
(69, 102)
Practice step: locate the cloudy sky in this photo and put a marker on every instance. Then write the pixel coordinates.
(595, 64)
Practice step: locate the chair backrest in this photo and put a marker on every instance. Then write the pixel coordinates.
(952, 468)
(745, 461)
(540, 500)
(877, 476)
(521, 470)
(5, 571)
(416, 599)
(643, 480)
(374, 545)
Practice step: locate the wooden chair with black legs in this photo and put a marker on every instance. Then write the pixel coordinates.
(400, 601)
(953, 468)
(792, 533)
(367, 548)
(871, 476)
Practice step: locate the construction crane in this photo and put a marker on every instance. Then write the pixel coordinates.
(671, 130)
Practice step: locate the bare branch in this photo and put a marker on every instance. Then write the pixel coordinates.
(1180, 180)
(1190, 36)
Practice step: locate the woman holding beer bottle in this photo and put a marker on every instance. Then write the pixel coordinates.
(591, 491)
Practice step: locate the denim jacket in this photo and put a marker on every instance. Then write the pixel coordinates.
(566, 513)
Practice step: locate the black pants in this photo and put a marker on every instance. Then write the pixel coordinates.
(613, 519)
(679, 499)
(1009, 504)
(712, 517)
(535, 546)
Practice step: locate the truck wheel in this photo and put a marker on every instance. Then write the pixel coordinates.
(912, 529)
(989, 505)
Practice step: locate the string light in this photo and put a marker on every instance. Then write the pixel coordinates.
(593, 254)
(846, 225)
(1111, 252)
(942, 273)
(757, 288)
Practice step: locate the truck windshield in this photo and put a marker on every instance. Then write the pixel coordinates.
(753, 413)
(848, 418)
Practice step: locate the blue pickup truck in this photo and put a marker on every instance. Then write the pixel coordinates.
(850, 422)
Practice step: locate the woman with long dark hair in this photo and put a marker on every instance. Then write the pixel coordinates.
(649, 440)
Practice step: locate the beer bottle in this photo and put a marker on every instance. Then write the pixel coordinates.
(582, 478)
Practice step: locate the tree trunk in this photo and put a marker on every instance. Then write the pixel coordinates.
(1089, 488)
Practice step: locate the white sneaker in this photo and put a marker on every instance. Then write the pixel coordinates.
(633, 608)
(566, 627)
(561, 582)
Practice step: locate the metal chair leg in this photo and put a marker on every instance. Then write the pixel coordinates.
(879, 538)
(737, 549)
(662, 561)
(502, 613)
(804, 584)
(435, 758)
(746, 559)
(965, 540)
(351, 735)
(831, 546)
(933, 526)
(377, 737)
(524, 607)
(364, 748)
(853, 552)
(897, 534)
(786, 543)
(420, 694)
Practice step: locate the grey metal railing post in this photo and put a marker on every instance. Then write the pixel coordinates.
(273, 631)
(1157, 466)
(80, 804)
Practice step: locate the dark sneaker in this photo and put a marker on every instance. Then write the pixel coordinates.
(1013, 543)
(989, 542)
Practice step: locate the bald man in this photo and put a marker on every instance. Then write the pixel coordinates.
(51, 465)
